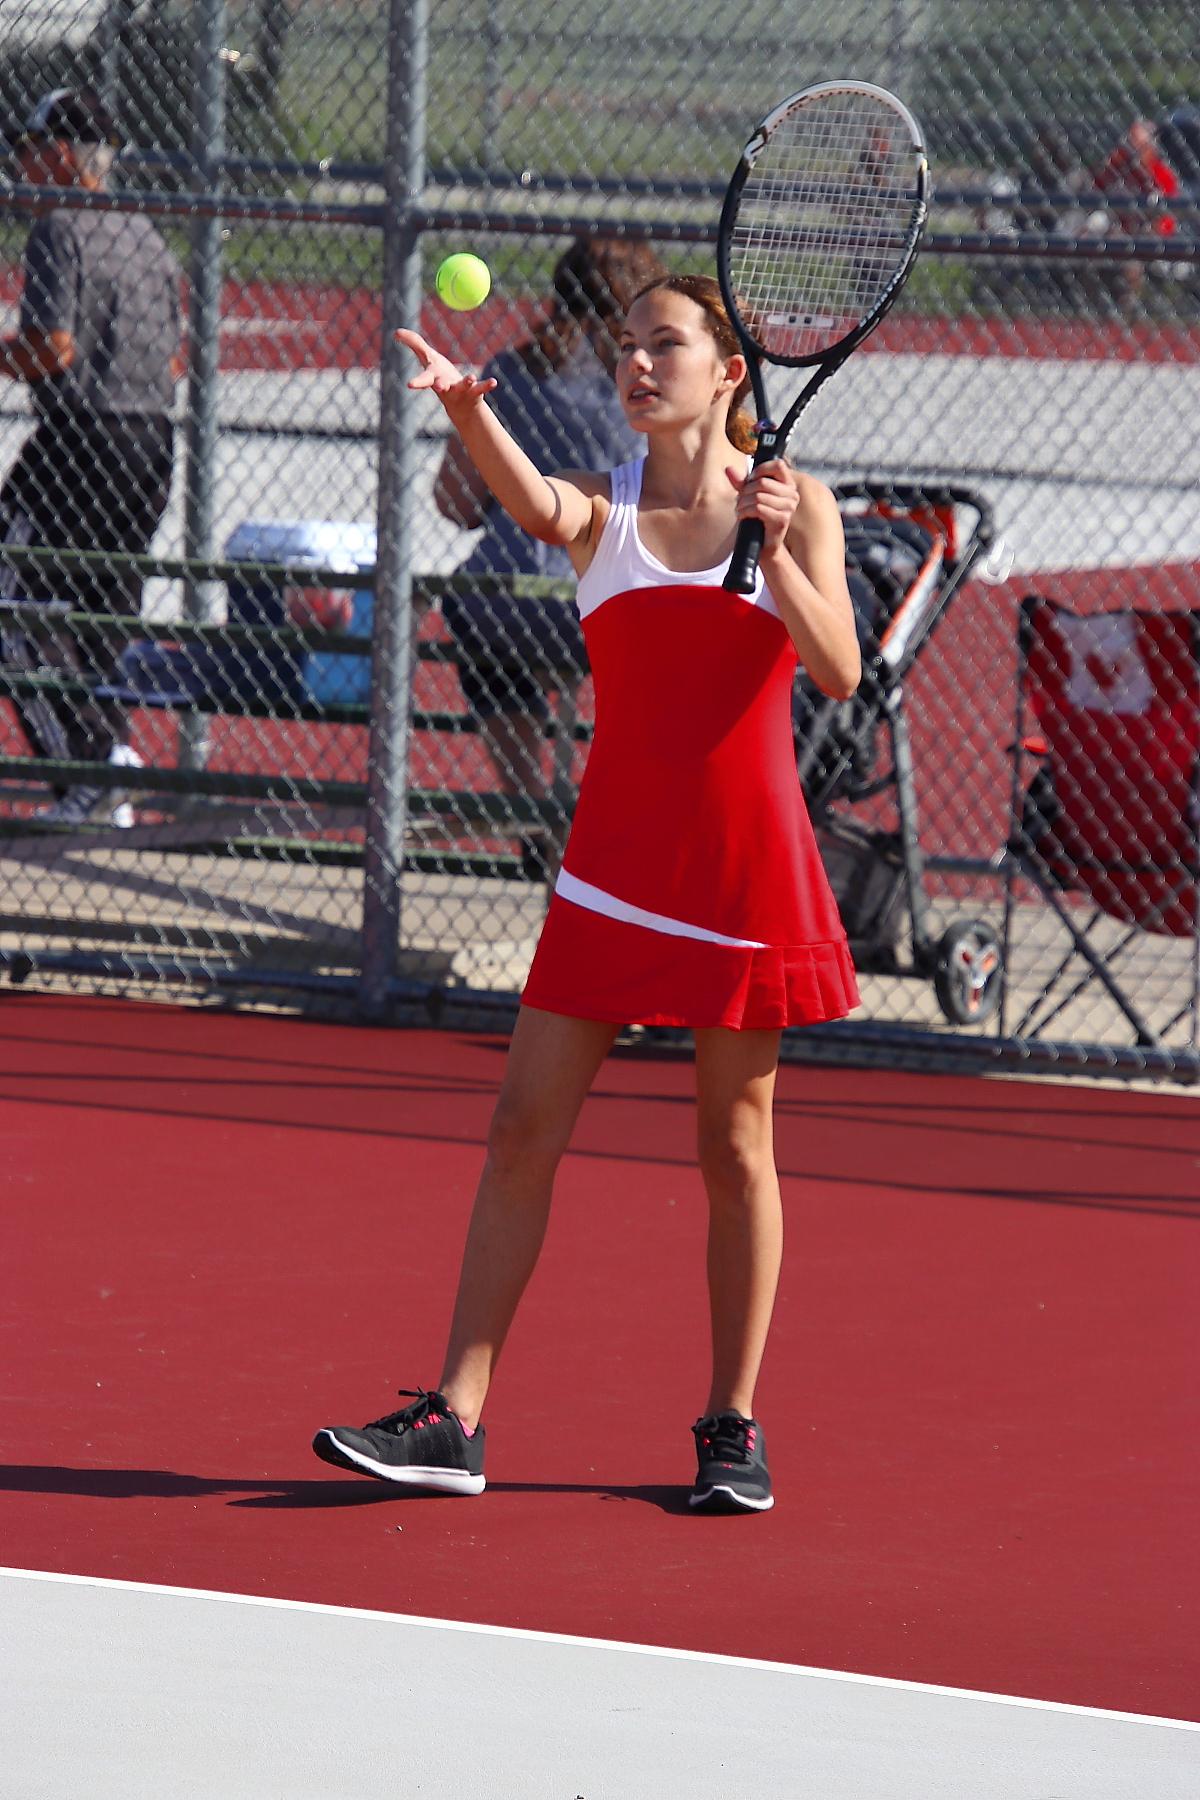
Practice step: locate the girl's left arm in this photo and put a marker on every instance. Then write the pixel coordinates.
(803, 562)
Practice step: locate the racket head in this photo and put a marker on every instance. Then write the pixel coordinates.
(822, 221)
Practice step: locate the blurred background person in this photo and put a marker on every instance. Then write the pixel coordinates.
(98, 342)
(1136, 166)
(555, 394)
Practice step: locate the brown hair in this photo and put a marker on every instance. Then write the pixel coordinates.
(596, 280)
(707, 295)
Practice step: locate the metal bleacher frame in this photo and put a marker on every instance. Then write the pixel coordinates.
(508, 812)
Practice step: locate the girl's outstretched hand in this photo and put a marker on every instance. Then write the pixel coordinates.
(458, 393)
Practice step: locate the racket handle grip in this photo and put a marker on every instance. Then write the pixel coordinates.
(743, 565)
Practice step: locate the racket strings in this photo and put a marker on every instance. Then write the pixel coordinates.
(825, 221)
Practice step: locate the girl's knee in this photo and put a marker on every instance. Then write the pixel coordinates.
(736, 1162)
(520, 1136)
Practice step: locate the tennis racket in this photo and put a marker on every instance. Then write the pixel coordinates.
(819, 230)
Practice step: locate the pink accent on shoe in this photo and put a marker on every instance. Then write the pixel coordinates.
(468, 1431)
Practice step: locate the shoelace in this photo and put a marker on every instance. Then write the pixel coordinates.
(728, 1440)
(425, 1404)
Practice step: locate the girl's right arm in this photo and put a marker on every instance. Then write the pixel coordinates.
(550, 507)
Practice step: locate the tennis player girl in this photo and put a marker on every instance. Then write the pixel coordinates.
(691, 892)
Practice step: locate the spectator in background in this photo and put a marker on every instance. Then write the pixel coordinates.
(1136, 166)
(98, 342)
(555, 394)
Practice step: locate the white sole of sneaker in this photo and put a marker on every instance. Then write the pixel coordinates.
(728, 1497)
(438, 1481)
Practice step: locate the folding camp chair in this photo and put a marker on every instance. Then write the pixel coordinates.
(1108, 706)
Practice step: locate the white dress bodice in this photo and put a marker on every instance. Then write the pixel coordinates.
(623, 563)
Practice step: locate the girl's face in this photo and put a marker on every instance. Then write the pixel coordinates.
(670, 371)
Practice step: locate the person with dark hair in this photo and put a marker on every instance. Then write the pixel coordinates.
(98, 342)
(555, 394)
(691, 894)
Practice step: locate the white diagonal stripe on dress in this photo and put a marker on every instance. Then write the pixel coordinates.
(582, 893)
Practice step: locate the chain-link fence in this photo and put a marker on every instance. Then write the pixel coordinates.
(291, 713)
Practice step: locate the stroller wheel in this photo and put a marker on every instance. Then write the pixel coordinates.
(966, 976)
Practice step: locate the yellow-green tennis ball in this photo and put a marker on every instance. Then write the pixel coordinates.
(463, 281)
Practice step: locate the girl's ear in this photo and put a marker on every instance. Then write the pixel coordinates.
(735, 374)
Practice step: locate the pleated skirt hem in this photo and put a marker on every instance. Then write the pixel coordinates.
(589, 966)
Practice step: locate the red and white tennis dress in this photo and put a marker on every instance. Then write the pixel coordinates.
(692, 891)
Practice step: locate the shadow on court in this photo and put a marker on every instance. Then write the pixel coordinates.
(165, 1484)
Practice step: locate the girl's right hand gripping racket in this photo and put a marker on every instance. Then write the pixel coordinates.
(819, 230)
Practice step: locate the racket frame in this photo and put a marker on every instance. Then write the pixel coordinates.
(772, 438)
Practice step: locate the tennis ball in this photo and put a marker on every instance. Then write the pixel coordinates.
(463, 281)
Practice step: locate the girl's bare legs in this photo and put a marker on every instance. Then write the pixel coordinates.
(735, 1087)
(552, 1063)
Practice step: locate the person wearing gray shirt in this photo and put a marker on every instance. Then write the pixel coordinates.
(98, 342)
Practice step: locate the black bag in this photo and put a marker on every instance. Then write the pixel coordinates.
(883, 559)
(865, 869)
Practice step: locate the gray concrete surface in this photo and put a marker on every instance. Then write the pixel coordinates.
(119, 1692)
(1089, 462)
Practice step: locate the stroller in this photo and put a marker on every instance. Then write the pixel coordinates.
(907, 556)
(1112, 808)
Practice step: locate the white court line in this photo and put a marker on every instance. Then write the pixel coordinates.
(591, 1643)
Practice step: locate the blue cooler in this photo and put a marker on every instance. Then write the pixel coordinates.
(323, 677)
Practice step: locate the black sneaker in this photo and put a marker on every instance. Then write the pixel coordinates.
(423, 1445)
(732, 1474)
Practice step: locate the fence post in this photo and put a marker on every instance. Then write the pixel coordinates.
(493, 38)
(204, 325)
(108, 54)
(905, 23)
(392, 656)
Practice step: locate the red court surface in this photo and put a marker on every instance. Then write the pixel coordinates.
(224, 1231)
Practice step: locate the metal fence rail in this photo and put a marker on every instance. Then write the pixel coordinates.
(273, 741)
